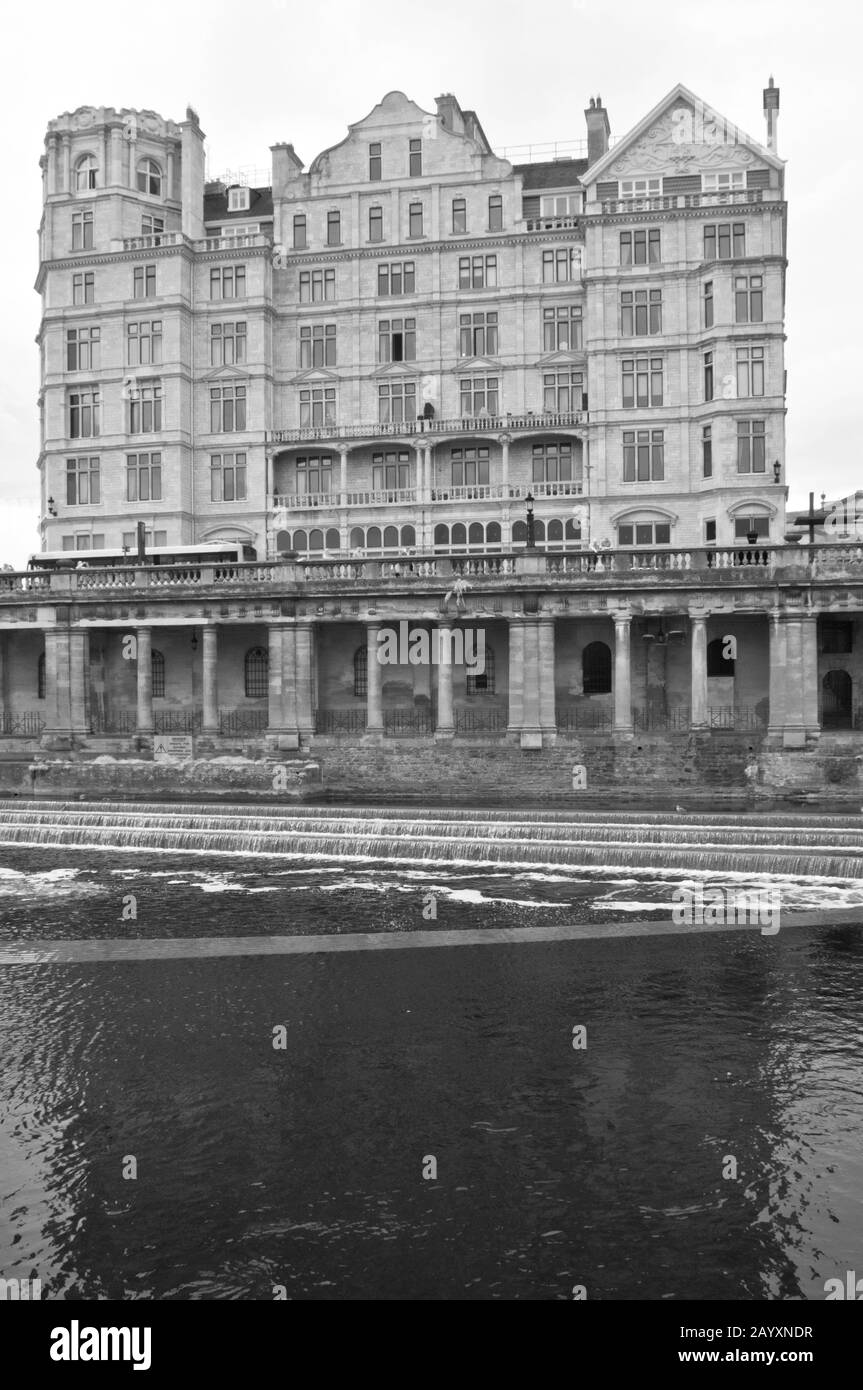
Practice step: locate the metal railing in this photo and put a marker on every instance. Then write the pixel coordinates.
(234, 722)
(22, 724)
(340, 721)
(585, 719)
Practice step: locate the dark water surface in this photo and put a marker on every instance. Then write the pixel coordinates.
(303, 1167)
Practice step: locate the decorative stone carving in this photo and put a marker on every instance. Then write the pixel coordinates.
(661, 150)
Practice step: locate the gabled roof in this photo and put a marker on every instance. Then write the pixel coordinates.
(555, 173)
(678, 93)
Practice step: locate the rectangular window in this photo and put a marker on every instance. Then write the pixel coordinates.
(314, 474)
(376, 224)
(477, 272)
(750, 371)
(642, 381)
(640, 248)
(640, 313)
(228, 282)
(640, 188)
(83, 482)
(144, 342)
(150, 538)
(391, 471)
(317, 406)
(470, 467)
(415, 158)
(83, 287)
(317, 285)
(318, 345)
(724, 239)
(751, 446)
(82, 231)
(145, 408)
(300, 242)
(560, 205)
(560, 265)
(397, 340)
(708, 376)
(334, 229)
(397, 402)
(396, 278)
(459, 215)
(144, 477)
(375, 161)
(478, 335)
(227, 344)
(561, 328)
(479, 395)
(82, 349)
(144, 282)
(748, 299)
(708, 304)
(745, 525)
(644, 533)
(152, 226)
(643, 456)
(495, 213)
(553, 463)
(719, 183)
(707, 451)
(710, 533)
(562, 392)
(227, 477)
(416, 219)
(84, 408)
(227, 409)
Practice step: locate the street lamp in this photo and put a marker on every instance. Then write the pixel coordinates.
(531, 528)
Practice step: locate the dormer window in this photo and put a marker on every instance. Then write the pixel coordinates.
(723, 182)
(85, 173)
(561, 205)
(150, 178)
(640, 188)
(238, 199)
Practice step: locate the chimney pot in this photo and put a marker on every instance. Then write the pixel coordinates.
(598, 130)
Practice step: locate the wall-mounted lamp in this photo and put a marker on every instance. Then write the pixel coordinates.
(531, 526)
(194, 642)
(777, 471)
(52, 508)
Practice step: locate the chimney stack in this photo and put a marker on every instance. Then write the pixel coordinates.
(771, 113)
(598, 130)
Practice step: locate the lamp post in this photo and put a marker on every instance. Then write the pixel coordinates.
(531, 528)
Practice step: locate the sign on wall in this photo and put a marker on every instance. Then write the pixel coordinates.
(174, 747)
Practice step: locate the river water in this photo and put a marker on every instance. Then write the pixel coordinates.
(302, 1167)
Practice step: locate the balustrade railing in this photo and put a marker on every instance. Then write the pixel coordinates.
(403, 429)
(21, 724)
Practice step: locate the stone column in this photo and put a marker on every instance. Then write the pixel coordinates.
(305, 678)
(375, 682)
(66, 178)
(516, 675)
(698, 711)
(211, 680)
(343, 477)
(275, 634)
(622, 675)
(504, 464)
(4, 638)
(777, 675)
(442, 637)
(545, 676)
(116, 177)
(809, 636)
(144, 673)
(169, 161)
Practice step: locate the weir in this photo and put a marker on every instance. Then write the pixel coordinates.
(805, 846)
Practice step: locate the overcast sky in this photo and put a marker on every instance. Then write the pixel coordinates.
(270, 70)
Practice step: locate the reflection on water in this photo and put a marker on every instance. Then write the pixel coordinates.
(303, 1166)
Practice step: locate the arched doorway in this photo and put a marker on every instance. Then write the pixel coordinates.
(836, 701)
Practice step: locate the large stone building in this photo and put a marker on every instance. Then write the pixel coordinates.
(419, 381)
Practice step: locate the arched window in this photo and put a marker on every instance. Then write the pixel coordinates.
(573, 531)
(149, 177)
(596, 669)
(492, 532)
(301, 540)
(717, 664)
(157, 664)
(409, 535)
(358, 538)
(391, 537)
(483, 682)
(316, 539)
(476, 534)
(283, 541)
(555, 531)
(257, 672)
(85, 172)
(441, 535)
(373, 540)
(361, 671)
(334, 540)
(459, 534)
(519, 533)
(539, 530)
(40, 677)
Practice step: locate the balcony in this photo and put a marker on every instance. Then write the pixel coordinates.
(532, 422)
(405, 496)
(728, 197)
(553, 224)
